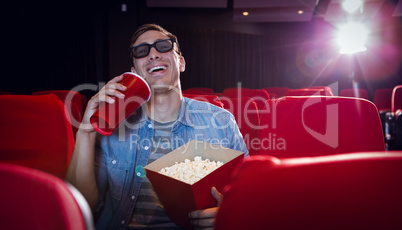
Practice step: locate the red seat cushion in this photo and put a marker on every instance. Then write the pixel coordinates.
(247, 118)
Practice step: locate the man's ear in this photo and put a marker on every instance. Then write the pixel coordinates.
(133, 70)
(182, 64)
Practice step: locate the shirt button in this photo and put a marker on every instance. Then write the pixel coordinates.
(123, 222)
(114, 162)
(132, 197)
(150, 126)
(146, 147)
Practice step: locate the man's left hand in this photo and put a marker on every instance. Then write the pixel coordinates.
(205, 219)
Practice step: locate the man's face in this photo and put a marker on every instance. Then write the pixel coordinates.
(160, 70)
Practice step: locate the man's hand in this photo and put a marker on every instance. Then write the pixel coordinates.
(112, 89)
(205, 219)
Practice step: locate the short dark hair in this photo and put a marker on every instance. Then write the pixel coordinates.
(147, 27)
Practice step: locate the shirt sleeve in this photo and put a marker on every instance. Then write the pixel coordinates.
(100, 175)
(237, 138)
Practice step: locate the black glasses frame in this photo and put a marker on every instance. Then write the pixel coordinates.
(174, 40)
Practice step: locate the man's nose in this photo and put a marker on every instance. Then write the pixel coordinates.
(153, 54)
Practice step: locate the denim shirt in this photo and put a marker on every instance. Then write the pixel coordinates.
(120, 157)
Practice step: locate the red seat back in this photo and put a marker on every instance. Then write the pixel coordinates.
(347, 191)
(213, 99)
(31, 199)
(74, 102)
(4, 92)
(260, 96)
(309, 92)
(311, 126)
(37, 133)
(245, 92)
(397, 98)
(204, 90)
(359, 93)
(278, 91)
(247, 118)
(383, 99)
(327, 89)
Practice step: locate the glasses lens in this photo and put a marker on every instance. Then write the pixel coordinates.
(164, 46)
(141, 51)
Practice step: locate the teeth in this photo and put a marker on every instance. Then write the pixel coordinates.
(156, 68)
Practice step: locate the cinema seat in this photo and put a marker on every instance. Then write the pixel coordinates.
(4, 92)
(396, 103)
(310, 92)
(312, 126)
(67, 96)
(247, 118)
(359, 93)
(75, 104)
(245, 92)
(273, 96)
(278, 91)
(35, 200)
(383, 99)
(36, 133)
(394, 120)
(203, 90)
(260, 96)
(213, 99)
(344, 191)
(327, 89)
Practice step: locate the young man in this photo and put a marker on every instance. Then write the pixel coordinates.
(108, 170)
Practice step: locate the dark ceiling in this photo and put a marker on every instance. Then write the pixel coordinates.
(281, 11)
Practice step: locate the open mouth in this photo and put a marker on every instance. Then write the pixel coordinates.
(157, 69)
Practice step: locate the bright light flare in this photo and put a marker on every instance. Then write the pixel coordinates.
(352, 38)
(352, 6)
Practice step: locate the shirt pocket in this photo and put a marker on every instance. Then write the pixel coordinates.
(117, 176)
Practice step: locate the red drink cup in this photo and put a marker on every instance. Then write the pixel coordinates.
(109, 116)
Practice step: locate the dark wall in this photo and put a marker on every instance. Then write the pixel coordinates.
(53, 45)
(60, 45)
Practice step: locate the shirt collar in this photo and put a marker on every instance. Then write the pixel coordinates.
(184, 116)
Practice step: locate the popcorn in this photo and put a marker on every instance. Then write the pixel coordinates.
(191, 171)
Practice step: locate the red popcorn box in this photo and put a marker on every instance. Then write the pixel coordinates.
(180, 198)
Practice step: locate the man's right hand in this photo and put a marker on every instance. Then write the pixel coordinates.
(106, 94)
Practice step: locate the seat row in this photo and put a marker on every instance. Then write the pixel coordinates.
(314, 154)
(386, 100)
(381, 97)
(341, 191)
(280, 127)
(304, 125)
(74, 102)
